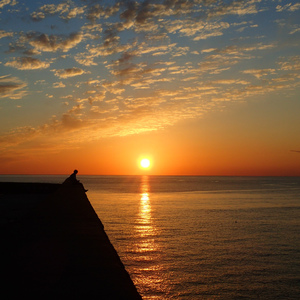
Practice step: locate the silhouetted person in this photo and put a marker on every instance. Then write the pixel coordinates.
(73, 180)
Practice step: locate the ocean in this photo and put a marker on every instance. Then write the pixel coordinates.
(198, 237)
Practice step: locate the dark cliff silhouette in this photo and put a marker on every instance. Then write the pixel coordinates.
(54, 246)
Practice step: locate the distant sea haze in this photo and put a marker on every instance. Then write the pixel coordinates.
(197, 237)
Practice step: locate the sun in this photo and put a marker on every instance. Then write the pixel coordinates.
(145, 163)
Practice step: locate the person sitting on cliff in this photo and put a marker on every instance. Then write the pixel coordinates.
(73, 180)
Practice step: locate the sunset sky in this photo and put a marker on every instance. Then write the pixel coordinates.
(199, 87)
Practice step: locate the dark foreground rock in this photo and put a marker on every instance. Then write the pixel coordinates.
(53, 246)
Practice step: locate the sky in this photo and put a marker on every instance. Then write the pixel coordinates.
(199, 87)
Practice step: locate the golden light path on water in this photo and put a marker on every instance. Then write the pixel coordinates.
(150, 271)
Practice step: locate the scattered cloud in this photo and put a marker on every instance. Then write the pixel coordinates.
(291, 64)
(97, 11)
(27, 63)
(147, 64)
(52, 43)
(235, 8)
(295, 30)
(288, 7)
(208, 50)
(11, 87)
(58, 85)
(258, 73)
(71, 72)
(4, 33)
(7, 2)
(198, 29)
(64, 10)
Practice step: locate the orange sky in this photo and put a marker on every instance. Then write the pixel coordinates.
(240, 141)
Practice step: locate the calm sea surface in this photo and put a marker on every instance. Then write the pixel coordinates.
(183, 237)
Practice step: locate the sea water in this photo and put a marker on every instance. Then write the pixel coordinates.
(193, 237)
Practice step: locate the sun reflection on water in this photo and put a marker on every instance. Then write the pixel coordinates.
(149, 273)
(144, 225)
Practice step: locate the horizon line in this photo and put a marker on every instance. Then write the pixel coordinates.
(183, 175)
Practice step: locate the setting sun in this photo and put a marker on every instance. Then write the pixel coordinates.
(145, 163)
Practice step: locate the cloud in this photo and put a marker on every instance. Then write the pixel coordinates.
(49, 9)
(71, 72)
(258, 73)
(144, 102)
(109, 47)
(53, 43)
(38, 16)
(198, 29)
(7, 2)
(291, 64)
(179, 51)
(144, 48)
(17, 136)
(208, 50)
(74, 12)
(69, 121)
(4, 33)
(58, 85)
(288, 7)
(140, 75)
(294, 31)
(57, 130)
(85, 59)
(241, 50)
(235, 8)
(11, 87)
(97, 11)
(27, 63)
(219, 60)
(231, 81)
(64, 10)
(130, 11)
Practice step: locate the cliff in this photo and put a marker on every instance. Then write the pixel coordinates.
(54, 246)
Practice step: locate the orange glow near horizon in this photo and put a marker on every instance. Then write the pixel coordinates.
(170, 152)
(166, 159)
